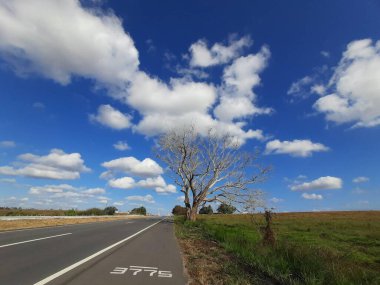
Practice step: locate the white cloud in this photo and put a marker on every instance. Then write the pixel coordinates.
(237, 96)
(104, 200)
(355, 87)
(56, 165)
(312, 196)
(322, 183)
(325, 53)
(118, 203)
(130, 165)
(122, 183)
(147, 198)
(300, 148)
(183, 102)
(94, 191)
(158, 183)
(276, 200)
(180, 198)
(298, 88)
(202, 56)
(7, 144)
(121, 145)
(166, 189)
(90, 43)
(112, 118)
(97, 34)
(150, 95)
(318, 89)
(37, 190)
(360, 179)
(64, 196)
(8, 180)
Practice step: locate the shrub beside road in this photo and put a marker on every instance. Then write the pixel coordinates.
(311, 248)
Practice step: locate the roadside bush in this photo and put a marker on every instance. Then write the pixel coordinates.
(178, 210)
(206, 210)
(139, 211)
(226, 209)
(71, 212)
(110, 210)
(91, 212)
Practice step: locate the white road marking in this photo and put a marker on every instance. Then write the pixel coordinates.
(31, 240)
(137, 269)
(80, 262)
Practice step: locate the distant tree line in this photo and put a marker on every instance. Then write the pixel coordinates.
(13, 211)
(223, 208)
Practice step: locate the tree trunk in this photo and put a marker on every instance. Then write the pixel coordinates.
(191, 214)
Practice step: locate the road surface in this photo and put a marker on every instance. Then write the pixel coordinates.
(140, 251)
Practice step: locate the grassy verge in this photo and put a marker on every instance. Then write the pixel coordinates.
(312, 248)
(209, 263)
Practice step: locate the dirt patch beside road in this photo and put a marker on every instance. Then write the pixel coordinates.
(37, 223)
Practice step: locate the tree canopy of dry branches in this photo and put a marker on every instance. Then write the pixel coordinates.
(210, 168)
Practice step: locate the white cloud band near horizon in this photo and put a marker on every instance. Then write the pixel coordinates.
(321, 183)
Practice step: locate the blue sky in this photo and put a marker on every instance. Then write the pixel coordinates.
(87, 86)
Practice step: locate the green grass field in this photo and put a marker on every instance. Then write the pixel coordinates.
(311, 248)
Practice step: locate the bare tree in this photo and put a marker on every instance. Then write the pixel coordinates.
(209, 168)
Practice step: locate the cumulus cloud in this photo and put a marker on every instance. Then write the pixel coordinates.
(147, 198)
(360, 179)
(131, 165)
(202, 56)
(122, 183)
(312, 196)
(157, 183)
(112, 118)
(56, 165)
(65, 196)
(121, 145)
(31, 41)
(162, 105)
(299, 148)
(322, 183)
(237, 96)
(354, 87)
(7, 144)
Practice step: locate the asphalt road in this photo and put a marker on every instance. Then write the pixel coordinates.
(141, 251)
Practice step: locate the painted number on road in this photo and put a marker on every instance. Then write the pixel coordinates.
(149, 271)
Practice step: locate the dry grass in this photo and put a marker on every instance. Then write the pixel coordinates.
(25, 224)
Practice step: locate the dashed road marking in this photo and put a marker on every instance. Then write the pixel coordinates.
(31, 240)
(80, 262)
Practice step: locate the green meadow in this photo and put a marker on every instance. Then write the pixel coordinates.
(311, 248)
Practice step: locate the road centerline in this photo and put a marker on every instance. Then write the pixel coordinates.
(80, 262)
(31, 240)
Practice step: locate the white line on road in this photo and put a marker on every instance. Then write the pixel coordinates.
(31, 240)
(80, 262)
